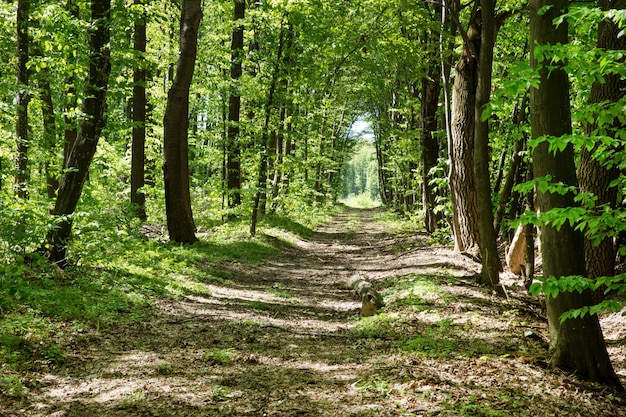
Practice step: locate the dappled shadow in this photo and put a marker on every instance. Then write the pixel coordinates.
(274, 331)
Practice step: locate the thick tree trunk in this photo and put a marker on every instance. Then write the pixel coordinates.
(592, 175)
(462, 184)
(180, 222)
(488, 247)
(233, 149)
(84, 146)
(576, 345)
(137, 170)
(22, 100)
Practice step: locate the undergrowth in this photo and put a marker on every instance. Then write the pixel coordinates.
(117, 275)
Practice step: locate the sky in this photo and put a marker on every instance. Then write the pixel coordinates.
(362, 129)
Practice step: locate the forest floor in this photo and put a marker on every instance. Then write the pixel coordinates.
(285, 338)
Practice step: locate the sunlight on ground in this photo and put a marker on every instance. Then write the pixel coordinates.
(361, 201)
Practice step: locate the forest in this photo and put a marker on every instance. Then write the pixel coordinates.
(189, 190)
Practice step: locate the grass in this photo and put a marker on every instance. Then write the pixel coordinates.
(363, 201)
(117, 277)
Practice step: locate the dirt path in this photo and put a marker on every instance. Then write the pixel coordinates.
(285, 339)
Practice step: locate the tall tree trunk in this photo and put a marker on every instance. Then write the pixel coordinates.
(576, 345)
(261, 189)
(519, 116)
(22, 99)
(83, 148)
(50, 136)
(593, 176)
(233, 149)
(431, 87)
(279, 169)
(70, 103)
(180, 224)
(462, 183)
(137, 170)
(490, 273)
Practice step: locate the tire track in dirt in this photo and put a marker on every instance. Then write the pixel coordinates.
(273, 340)
(279, 339)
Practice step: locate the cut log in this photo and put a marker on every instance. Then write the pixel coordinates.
(371, 301)
(515, 256)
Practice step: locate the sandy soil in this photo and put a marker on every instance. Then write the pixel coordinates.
(285, 339)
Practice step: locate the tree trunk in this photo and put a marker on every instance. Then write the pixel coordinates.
(50, 137)
(261, 190)
(519, 116)
(488, 247)
(180, 222)
(431, 87)
(137, 170)
(83, 148)
(70, 102)
(462, 184)
(593, 176)
(233, 149)
(22, 99)
(576, 345)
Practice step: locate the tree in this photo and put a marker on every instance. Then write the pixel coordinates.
(261, 187)
(180, 223)
(462, 182)
(488, 248)
(84, 146)
(137, 171)
(593, 175)
(233, 151)
(22, 99)
(430, 89)
(576, 345)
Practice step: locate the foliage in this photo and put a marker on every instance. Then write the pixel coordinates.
(614, 286)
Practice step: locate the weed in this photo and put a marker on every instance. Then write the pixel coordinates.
(136, 398)
(217, 356)
(11, 386)
(281, 294)
(164, 369)
(375, 384)
(258, 305)
(220, 392)
(378, 326)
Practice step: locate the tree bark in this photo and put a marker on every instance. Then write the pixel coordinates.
(576, 345)
(22, 99)
(594, 176)
(261, 189)
(490, 273)
(137, 170)
(233, 149)
(462, 183)
(431, 88)
(83, 148)
(50, 136)
(180, 224)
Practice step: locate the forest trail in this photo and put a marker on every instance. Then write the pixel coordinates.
(284, 338)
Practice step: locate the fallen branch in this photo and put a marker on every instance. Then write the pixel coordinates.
(370, 299)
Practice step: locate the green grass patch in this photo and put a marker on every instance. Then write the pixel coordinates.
(362, 201)
(415, 291)
(115, 277)
(396, 223)
(379, 326)
(217, 356)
